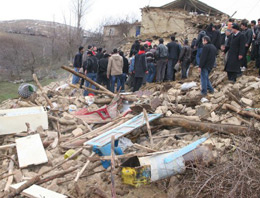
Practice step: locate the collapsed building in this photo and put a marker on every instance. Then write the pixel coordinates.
(181, 17)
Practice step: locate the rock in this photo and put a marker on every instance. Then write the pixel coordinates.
(214, 118)
(18, 176)
(86, 152)
(43, 169)
(69, 164)
(77, 132)
(191, 112)
(233, 103)
(39, 130)
(218, 94)
(161, 109)
(52, 134)
(165, 132)
(207, 105)
(218, 100)
(168, 113)
(54, 187)
(202, 111)
(49, 155)
(173, 91)
(247, 101)
(68, 116)
(232, 120)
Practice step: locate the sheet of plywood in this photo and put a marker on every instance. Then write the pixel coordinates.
(30, 151)
(36, 191)
(13, 120)
(122, 130)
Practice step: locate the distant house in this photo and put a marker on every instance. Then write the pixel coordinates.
(180, 17)
(122, 30)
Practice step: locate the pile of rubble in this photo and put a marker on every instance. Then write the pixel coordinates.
(168, 122)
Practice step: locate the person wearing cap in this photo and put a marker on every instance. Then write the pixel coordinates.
(236, 52)
(162, 59)
(184, 59)
(207, 60)
(174, 50)
(115, 70)
(90, 67)
(77, 64)
(257, 43)
(248, 35)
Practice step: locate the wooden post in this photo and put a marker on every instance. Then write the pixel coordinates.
(113, 190)
(86, 78)
(84, 168)
(148, 126)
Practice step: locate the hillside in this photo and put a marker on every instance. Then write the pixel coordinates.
(33, 46)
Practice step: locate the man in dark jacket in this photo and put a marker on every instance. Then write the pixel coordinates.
(77, 64)
(140, 68)
(253, 50)
(102, 71)
(150, 66)
(199, 45)
(184, 59)
(162, 58)
(216, 37)
(99, 54)
(249, 36)
(174, 53)
(207, 60)
(135, 48)
(125, 71)
(90, 67)
(257, 45)
(235, 53)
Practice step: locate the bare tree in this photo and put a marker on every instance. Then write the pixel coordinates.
(80, 8)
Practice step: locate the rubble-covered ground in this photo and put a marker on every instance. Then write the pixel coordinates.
(232, 170)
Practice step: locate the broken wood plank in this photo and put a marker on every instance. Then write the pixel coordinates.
(11, 177)
(7, 146)
(84, 168)
(93, 90)
(241, 112)
(148, 126)
(36, 191)
(30, 151)
(87, 79)
(203, 126)
(149, 150)
(113, 190)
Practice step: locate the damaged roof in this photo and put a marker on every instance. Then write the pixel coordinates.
(193, 5)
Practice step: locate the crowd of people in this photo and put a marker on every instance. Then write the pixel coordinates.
(159, 63)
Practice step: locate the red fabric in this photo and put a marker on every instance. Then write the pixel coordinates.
(141, 52)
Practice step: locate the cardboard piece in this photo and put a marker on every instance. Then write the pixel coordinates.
(36, 191)
(30, 151)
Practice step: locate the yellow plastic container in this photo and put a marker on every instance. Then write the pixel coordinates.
(137, 176)
(69, 153)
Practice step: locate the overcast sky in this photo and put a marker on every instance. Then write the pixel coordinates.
(55, 10)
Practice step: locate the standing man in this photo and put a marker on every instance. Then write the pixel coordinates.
(77, 64)
(115, 69)
(162, 58)
(199, 46)
(174, 52)
(102, 71)
(248, 35)
(257, 46)
(90, 67)
(253, 50)
(125, 72)
(235, 53)
(207, 60)
(184, 59)
(140, 68)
